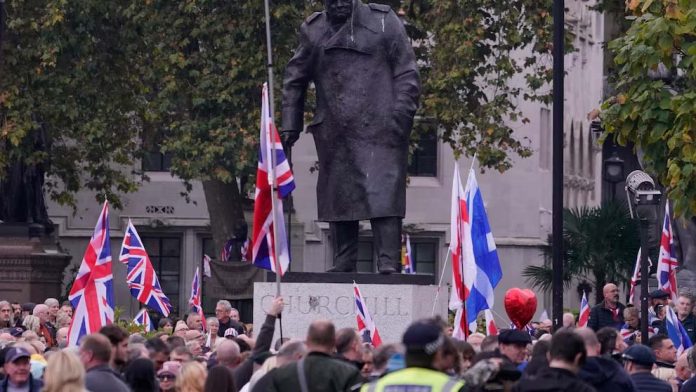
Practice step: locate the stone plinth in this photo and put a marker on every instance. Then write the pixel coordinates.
(31, 270)
(394, 303)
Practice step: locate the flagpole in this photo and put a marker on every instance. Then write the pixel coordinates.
(439, 284)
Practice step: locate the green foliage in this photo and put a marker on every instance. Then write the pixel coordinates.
(479, 59)
(105, 80)
(130, 326)
(599, 241)
(658, 115)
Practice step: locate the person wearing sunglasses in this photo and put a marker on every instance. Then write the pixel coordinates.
(167, 375)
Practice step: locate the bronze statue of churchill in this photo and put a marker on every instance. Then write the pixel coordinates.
(364, 70)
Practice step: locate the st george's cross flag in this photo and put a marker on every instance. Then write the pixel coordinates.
(195, 300)
(461, 250)
(366, 325)
(92, 293)
(267, 176)
(143, 319)
(584, 311)
(667, 265)
(485, 262)
(141, 277)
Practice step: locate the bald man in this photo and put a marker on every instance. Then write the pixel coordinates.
(609, 312)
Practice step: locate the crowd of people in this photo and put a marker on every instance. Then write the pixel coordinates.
(607, 355)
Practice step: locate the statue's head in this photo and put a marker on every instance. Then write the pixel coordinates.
(339, 10)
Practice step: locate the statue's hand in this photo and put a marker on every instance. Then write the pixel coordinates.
(288, 138)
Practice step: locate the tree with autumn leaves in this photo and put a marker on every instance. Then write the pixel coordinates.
(654, 104)
(106, 81)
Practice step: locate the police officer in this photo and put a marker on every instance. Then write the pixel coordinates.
(423, 341)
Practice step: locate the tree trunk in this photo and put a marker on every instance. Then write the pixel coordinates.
(600, 281)
(226, 216)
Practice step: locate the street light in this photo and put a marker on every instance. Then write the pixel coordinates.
(613, 172)
(643, 199)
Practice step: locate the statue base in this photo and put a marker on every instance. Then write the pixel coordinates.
(394, 301)
(31, 269)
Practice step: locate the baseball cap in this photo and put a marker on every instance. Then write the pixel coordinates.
(28, 307)
(231, 333)
(16, 331)
(639, 354)
(16, 353)
(514, 336)
(659, 294)
(423, 336)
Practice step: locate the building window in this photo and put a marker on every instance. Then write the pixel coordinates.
(165, 255)
(156, 161)
(423, 250)
(423, 161)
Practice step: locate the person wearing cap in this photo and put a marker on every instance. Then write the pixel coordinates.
(566, 357)
(609, 312)
(424, 342)
(512, 344)
(658, 298)
(317, 371)
(17, 369)
(638, 361)
(167, 375)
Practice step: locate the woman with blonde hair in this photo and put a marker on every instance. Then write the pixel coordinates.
(192, 377)
(64, 373)
(32, 323)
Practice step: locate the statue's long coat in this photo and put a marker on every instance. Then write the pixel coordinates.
(367, 90)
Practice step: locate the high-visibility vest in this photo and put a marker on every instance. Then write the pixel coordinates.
(411, 379)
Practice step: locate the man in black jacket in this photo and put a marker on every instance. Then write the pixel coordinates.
(685, 307)
(608, 313)
(567, 356)
(638, 360)
(603, 373)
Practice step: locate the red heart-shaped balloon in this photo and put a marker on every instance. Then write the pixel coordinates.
(520, 306)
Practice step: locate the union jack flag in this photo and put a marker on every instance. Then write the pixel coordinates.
(226, 251)
(92, 294)
(366, 325)
(141, 277)
(667, 266)
(584, 311)
(143, 319)
(195, 300)
(406, 256)
(266, 226)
